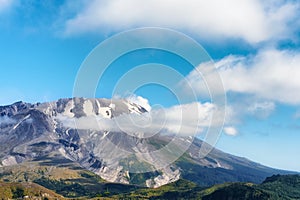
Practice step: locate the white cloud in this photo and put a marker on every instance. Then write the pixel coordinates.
(229, 130)
(188, 119)
(139, 100)
(252, 20)
(270, 74)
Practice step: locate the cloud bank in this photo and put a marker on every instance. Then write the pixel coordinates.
(251, 20)
(271, 74)
(188, 119)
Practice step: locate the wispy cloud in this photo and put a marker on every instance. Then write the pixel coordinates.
(188, 119)
(251, 20)
(261, 109)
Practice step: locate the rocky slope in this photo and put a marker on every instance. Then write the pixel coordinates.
(66, 128)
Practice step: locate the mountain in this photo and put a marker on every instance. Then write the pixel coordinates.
(62, 134)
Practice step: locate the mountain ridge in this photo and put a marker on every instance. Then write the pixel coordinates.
(33, 132)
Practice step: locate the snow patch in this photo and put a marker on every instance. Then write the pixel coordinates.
(64, 153)
(112, 106)
(26, 117)
(218, 164)
(104, 111)
(68, 108)
(104, 134)
(10, 160)
(132, 108)
(168, 176)
(88, 108)
(113, 175)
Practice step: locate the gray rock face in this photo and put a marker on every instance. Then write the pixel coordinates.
(31, 131)
(28, 132)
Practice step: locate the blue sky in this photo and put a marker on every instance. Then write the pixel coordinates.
(255, 46)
